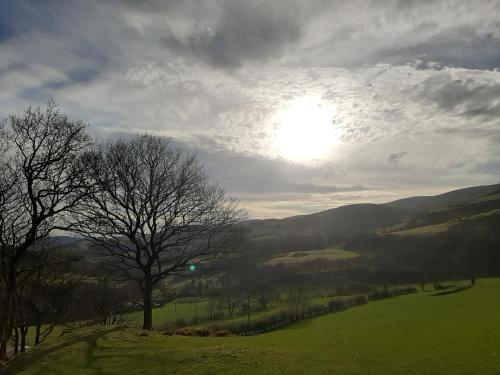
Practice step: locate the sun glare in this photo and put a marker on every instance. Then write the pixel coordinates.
(304, 129)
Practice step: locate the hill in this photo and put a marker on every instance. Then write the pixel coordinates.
(319, 230)
(388, 236)
(331, 227)
(418, 334)
(425, 203)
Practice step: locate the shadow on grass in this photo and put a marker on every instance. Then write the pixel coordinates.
(21, 363)
(455, 290)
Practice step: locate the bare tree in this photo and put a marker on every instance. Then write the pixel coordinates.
(41, 178)
(105, 303)
(45, 293)
(155, 212)
(473, 238)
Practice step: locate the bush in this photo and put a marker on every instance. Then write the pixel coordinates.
(377, 295)
(337, 305)
(180, 323)
(222, 333)
(357, 300)
(285, 317)
(218, 315)
(353, 288)
(314, 310)
(404, 290)
(386, 293)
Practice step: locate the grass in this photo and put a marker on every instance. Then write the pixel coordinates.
(299, 257)
(187, 309)
(173, 311)
(414, 334)
(274, 308)
(426, 230)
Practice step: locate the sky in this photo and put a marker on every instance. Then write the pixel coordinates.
(293, 106)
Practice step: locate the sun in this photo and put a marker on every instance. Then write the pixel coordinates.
(304, 129)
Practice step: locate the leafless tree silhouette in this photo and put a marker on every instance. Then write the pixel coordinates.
(155, 212)
(41, 179)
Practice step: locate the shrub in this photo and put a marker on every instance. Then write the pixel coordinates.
(385, 293)
(222, 333)
(180, 323)
(377, 295)
(404, 290)
(314, 310)
(357, 300)
(337, 305)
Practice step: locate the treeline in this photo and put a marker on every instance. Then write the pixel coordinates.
(147, 206)
(467, 250)
(297, 307)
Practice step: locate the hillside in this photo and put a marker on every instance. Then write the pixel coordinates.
(480, 206)
(319, 230)
(433, 214)
(425, 203)
(330, 227)
(418, 334)
(440, 220)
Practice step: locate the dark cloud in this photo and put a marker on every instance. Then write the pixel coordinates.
(45, 92)
(478, 132)
(252, 174)
(14, 67)
(246, 30)
(465, 97)
(394, 158)
(488, 167)
(462, 47)
(23, 16)
(36, 94)
(7, 29)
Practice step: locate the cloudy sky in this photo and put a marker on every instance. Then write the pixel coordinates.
(294, 106)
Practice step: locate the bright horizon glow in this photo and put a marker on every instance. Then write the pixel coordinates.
(304, 129)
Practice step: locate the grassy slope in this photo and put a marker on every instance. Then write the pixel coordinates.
(426, 230)
(170, 313)
(167, 314)
(298, 257)
(418, 334)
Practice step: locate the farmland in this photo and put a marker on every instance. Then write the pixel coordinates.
(420, 334)
(298, 257)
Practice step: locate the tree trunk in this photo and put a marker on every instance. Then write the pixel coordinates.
(7, 314)
(24, 332)
(3, 351)
(37, 334)
(248, 308)
(148, 305)
(16, 341)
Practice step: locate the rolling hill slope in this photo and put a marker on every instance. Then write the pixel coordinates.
(331, 227)
(415, 334)
(326, 228)
(425, 203)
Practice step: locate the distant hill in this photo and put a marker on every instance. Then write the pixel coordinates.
(335, 226)
(80, 246)
(425, 203)
(321, 229)
(330, 227)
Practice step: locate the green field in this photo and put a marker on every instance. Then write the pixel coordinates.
(414, 334)
(298, 257)
(171, 312)
(427, 230)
